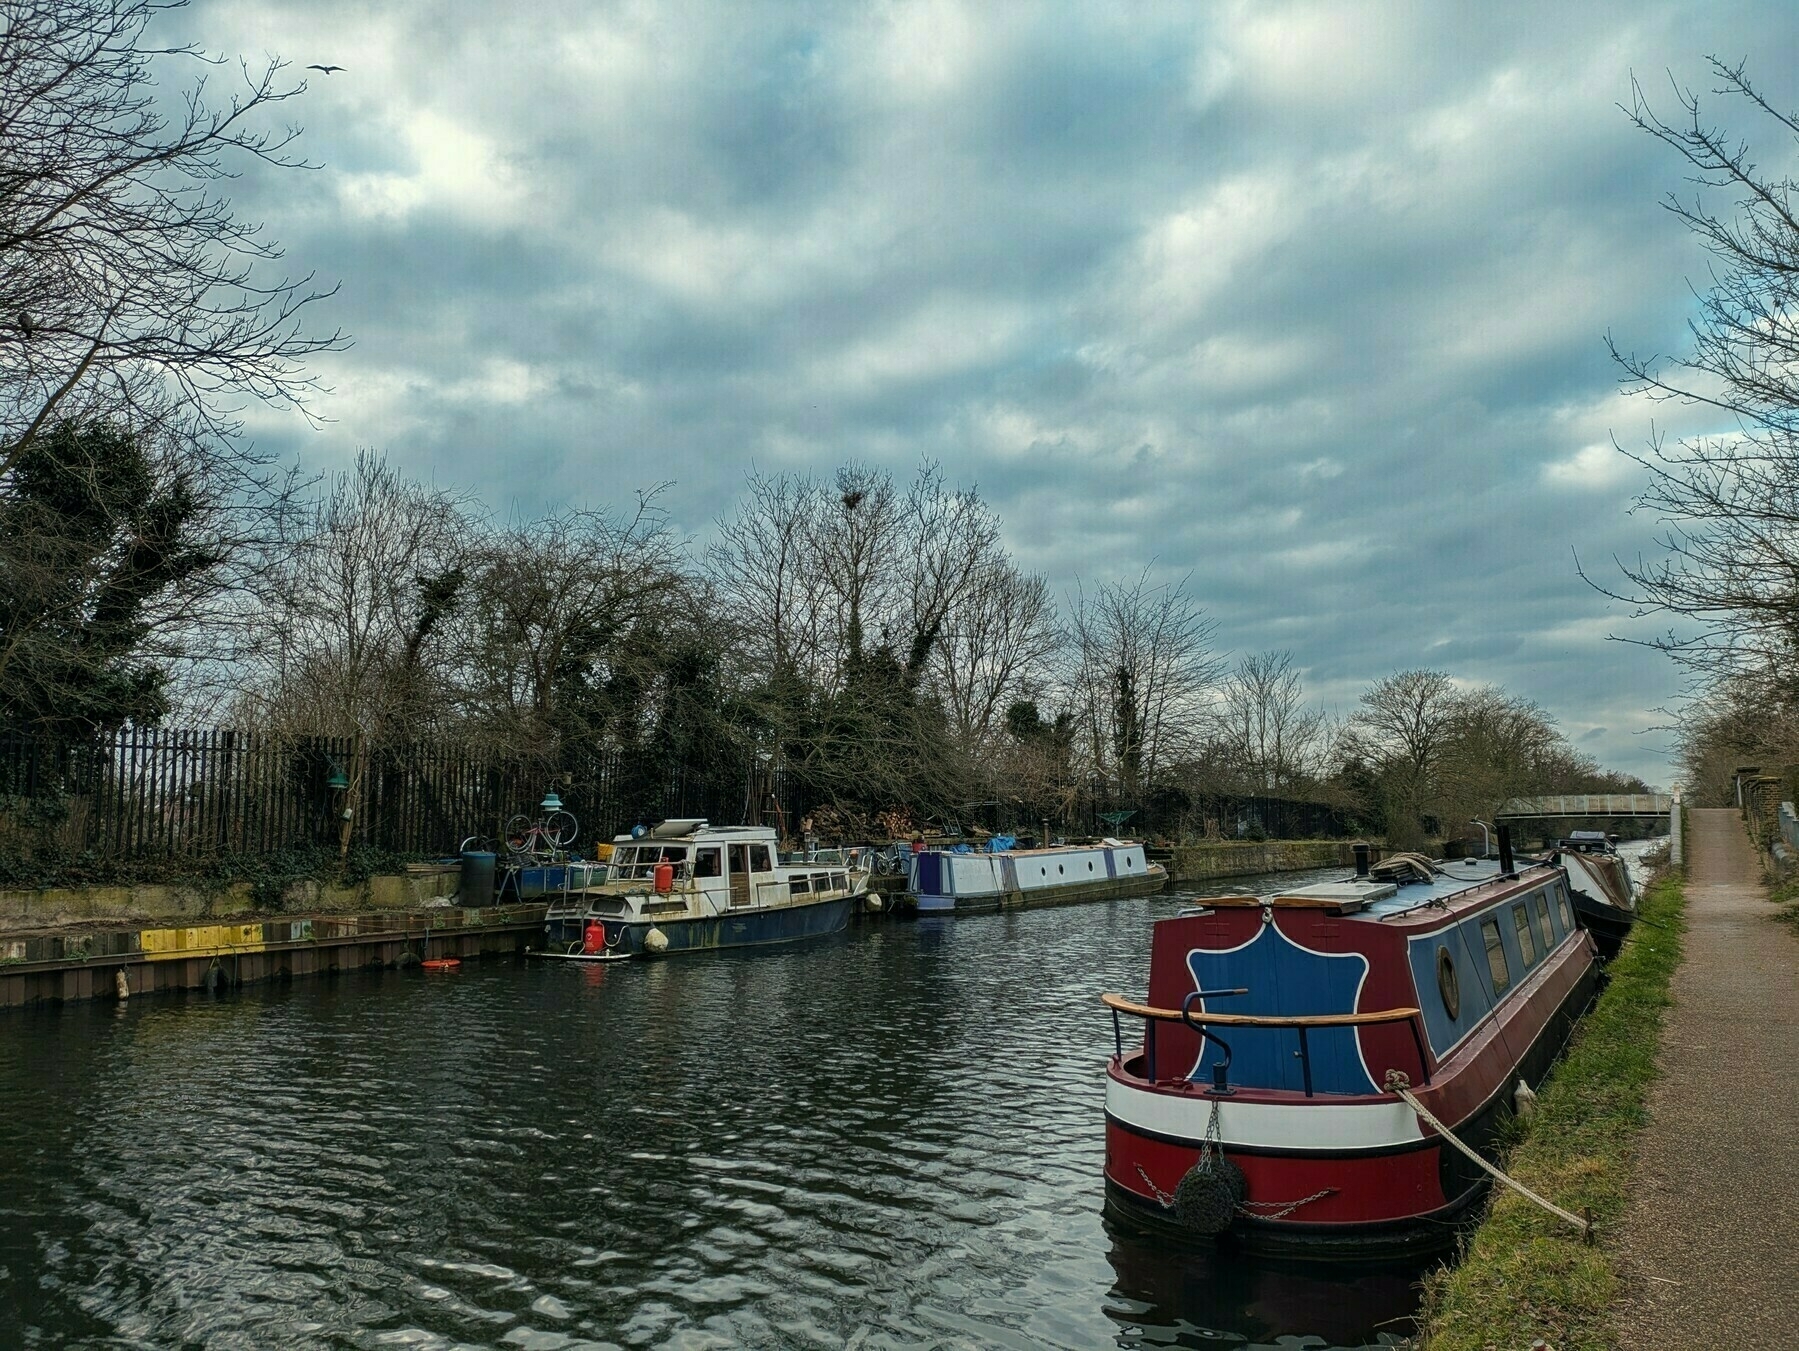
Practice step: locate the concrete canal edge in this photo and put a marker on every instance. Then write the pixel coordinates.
(1525, 1277)
(1244, 858)
(61, 944)
(120, 963)
(47, 908)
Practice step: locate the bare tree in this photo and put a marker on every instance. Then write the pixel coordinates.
(1402, 726)
(129, 289)
(1728, 502)
(1499, 746)
(995, 649)
(842, 593)
(373, 568)
(1144, 669)
(768, 575)
(567, 616)
(1270, 730)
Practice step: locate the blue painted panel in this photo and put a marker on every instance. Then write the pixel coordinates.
(1469, 954)
(1284, 980)
(930, 874)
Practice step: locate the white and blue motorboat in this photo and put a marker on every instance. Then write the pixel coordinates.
(961, 881)
(687, 885)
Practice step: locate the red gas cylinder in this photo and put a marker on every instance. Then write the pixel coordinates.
(595, 938)
(665, 878)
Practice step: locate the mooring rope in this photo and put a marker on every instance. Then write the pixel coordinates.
(1397, 1083)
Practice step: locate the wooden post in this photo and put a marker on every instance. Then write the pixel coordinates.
(352, 795)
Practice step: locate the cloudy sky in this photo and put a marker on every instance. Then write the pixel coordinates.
(1305, 300)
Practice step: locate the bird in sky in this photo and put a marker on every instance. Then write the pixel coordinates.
(324, 70)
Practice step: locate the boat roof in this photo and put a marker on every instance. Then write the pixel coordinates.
(688, 830)
(1372, 898)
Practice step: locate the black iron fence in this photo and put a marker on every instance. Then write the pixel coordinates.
(1165, 814)
(148, 793)
(142, 793)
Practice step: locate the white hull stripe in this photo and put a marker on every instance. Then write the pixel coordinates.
(1323, 1126)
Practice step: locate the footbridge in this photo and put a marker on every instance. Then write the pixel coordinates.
(1583, 806)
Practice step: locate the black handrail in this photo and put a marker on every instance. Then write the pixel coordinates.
(1221, 1072)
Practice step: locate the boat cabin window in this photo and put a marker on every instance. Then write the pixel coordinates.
(640, 863)
(1561, 903)
(1544, 928)
(706, 863)
(759, 860)
(1496, 965)
(1526, 944)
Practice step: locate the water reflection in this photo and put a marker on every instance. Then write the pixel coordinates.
(1203, 1299)
(890, 1139)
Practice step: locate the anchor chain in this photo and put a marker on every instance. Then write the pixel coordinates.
(1212, 1166)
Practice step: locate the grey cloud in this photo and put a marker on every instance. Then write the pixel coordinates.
(1138, 273)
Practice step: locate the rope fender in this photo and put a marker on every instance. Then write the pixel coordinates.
(1211, 1193)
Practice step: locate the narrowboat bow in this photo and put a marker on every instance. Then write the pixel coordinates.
(1258, 1103)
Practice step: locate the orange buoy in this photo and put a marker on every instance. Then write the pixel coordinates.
(441, 963)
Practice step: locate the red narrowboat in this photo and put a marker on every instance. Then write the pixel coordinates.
(1258, 1105)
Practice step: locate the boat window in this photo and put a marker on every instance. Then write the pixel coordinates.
(1448, 985)
(1544, 927)
(706, 863)
(759, 859)
(1526, 944)
(799, 886)
(1561, 902)
(1501, 973)
(840, 881)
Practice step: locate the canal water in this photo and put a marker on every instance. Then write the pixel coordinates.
(888, 1139)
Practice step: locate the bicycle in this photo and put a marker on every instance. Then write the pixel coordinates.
(542, 839)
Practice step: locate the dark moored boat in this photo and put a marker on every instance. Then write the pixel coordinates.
(1260, 1102)
(1600, 880)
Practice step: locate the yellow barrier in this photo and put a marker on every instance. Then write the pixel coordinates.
(205, 940)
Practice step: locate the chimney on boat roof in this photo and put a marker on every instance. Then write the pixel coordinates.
(1360, 851)
(1505, 851)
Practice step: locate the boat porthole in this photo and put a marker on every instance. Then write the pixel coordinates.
(1060, 868)
(1447, 985)
(1089, 867)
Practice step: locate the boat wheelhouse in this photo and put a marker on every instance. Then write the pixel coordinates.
(687, 885)
(941, 881)
(1262, 1102)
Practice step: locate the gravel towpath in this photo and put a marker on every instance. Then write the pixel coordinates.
(1711, 1241)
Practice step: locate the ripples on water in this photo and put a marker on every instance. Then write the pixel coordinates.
(888, 1139)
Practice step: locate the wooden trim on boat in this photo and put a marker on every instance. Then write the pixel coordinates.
(1122, 1005)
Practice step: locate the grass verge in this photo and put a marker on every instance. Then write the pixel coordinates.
(1525, 1276)
(1785, 894)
